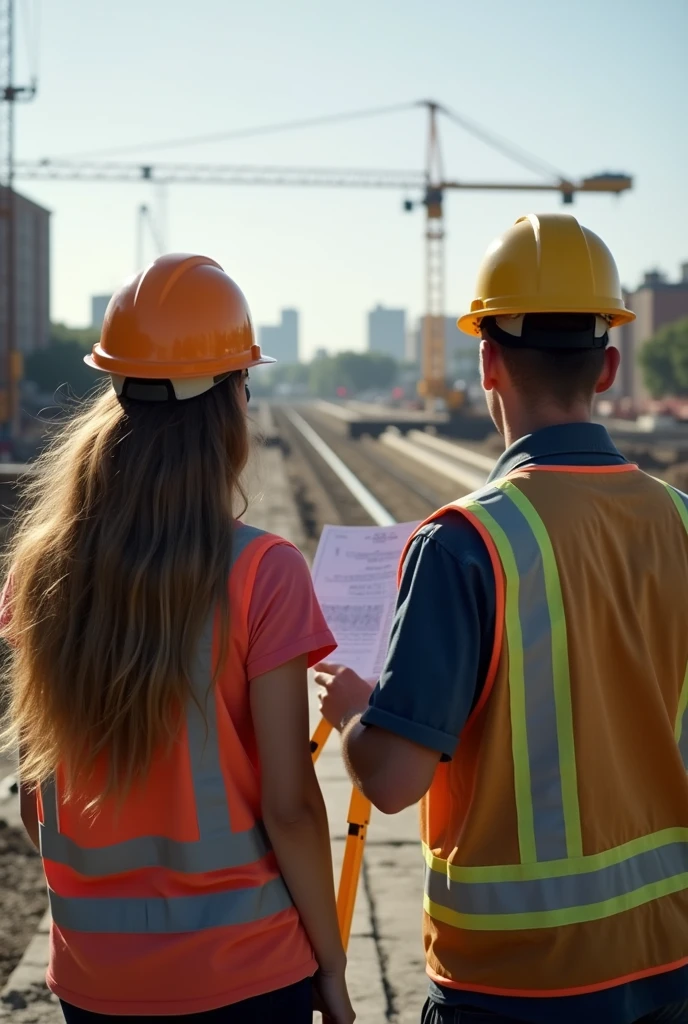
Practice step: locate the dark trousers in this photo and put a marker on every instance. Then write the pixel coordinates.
(293, 1004)
(435, 1013)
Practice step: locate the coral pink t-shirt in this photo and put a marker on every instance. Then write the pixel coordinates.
(194, 972)
(285, 619)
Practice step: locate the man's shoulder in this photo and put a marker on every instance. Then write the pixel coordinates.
(452, 534)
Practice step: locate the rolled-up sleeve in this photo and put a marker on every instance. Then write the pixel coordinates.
(441, 640)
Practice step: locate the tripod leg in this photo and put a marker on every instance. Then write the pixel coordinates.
(358, 818)
(319, 738)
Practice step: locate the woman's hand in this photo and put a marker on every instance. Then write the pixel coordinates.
(343, 693)
(331, 998)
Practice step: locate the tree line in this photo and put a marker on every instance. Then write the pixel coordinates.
(665, 361)
(60, 367)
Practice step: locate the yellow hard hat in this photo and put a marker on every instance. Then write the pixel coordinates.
(547, 263)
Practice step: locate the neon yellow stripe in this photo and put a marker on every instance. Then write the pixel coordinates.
(682, 707)
(682, 510)
(517, 687)
(557, 918)
(683, 699)
(560, 671)
(555, 868)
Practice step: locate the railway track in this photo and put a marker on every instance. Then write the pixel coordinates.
(407, 480)
(423, 471)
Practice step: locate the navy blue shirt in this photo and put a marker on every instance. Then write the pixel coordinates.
(436, 666)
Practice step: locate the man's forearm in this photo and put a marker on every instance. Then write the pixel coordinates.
(361, 755)
(387, 767)
(393, 772)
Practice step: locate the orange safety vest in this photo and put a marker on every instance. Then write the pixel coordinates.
(174, 903)
(556, 841)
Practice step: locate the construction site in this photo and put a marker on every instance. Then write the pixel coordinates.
(342, 460)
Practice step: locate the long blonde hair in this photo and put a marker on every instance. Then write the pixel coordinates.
(122, 549)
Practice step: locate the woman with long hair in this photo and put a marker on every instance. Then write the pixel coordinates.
(157, 687)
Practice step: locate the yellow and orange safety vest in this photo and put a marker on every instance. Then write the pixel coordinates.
(556, 841)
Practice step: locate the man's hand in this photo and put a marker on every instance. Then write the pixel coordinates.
(343, 693)
(391, 771)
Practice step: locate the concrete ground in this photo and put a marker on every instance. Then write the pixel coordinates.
(386, 966)
(386, 963)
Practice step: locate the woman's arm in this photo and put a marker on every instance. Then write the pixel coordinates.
(293, 807)
(29, 812)
(28, 806)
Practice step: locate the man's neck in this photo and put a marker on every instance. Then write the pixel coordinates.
(527, 422)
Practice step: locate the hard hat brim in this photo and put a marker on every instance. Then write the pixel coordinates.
(470, 323)
(143, 370)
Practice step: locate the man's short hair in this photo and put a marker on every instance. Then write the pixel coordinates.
(549, 360)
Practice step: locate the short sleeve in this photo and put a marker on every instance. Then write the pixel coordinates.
(442, 637)
(285, 619)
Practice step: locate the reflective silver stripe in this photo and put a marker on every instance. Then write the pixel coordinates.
(209, 854)
(541, 716)
(217, 847)
(127, 915)
(532, 896)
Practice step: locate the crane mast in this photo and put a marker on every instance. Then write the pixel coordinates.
(433, 382)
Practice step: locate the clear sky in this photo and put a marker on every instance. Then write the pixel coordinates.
(589, 86)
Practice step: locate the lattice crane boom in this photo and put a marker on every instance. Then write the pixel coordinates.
(298, 177)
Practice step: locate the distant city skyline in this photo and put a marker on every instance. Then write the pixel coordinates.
(659, 297)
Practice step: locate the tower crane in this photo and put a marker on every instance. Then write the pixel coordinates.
(431, 184)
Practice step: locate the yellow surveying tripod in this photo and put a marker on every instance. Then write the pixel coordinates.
(357, 818)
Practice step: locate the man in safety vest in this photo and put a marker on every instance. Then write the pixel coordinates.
(535, 695)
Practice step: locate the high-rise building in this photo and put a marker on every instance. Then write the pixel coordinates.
(281, 341)
(99, 304)
(656, 302)
(32, 276)
(387, 332)
(461, 350)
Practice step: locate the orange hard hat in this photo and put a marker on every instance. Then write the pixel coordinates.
(181, 320)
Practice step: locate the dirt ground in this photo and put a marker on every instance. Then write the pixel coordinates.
(23, 898)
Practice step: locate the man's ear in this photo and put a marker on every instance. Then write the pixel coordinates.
(488, 363)
(612, 358)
